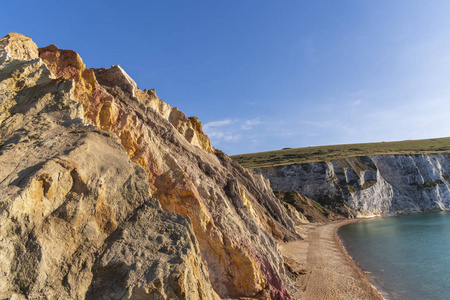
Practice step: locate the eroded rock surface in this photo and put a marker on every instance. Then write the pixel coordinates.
(370, 185)
(304, 210)
(224, 242)
(15, 46)
(76, 215)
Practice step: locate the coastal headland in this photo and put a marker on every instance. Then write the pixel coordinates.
(108, 192)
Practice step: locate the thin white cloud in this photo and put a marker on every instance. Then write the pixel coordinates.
(218, 136)
(229, 130)
(217, 123)
(222, 130)
(250, 123)
(355, 103)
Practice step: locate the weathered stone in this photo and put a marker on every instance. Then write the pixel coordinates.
(116, 76)
(117, 82)
(308, 210)
(151, 256)
(372, 185)
(76, 215)
(189, 181)
(15, 46)
(235, 215)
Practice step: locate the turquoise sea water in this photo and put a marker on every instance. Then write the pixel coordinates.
(405, 257)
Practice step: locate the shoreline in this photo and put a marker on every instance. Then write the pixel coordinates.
(329, 271)
(379, 291)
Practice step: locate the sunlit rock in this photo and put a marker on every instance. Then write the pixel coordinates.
(78, 219)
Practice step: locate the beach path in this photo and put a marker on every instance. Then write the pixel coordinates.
(329, 271)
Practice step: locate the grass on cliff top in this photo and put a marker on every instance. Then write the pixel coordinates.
(290, 156)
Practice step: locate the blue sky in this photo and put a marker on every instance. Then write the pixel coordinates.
(263, 75)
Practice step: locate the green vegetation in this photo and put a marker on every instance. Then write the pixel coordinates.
(368, 183)
(295, 199)
(427, 184)
(290, 156)
(351, 189)
(311, 209)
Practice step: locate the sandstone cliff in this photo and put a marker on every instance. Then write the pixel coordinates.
(370, 185)
(77, 218)
(82, 154)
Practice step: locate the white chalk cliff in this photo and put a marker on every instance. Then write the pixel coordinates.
(370, 185)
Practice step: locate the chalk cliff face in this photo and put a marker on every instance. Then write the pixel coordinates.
(370, 185)
(109, 192)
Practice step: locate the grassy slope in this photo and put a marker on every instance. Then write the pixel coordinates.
(327, 153)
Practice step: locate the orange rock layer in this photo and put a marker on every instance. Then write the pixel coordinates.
(232, 211)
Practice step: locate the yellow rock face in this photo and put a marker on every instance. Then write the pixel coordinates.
(77, 220)
(16, 46)
(231, 210)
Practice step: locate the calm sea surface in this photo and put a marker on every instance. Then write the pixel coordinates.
(405, 257)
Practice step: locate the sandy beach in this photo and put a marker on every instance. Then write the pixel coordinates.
(329, 271)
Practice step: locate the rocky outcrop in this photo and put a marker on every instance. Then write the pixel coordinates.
(305, 210)
(96, 204)
(77, 218)
(15, 46)
(370, 185)
(117, 81)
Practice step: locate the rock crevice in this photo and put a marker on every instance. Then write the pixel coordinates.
(370, 185)
(110, 193)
